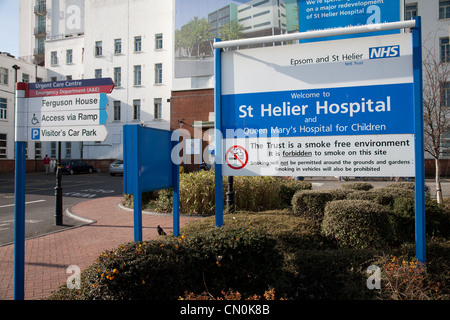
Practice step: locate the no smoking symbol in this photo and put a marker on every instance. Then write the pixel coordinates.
(236, 157)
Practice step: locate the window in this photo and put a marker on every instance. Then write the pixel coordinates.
(410, 11)
(3, 76)
(69, 56)
(260, 3)
(261, 13)
(138, 44)
(98, 73)
(98, 48)
(68, 150)
(158, 73)
(118, 77)
(68, 77)
(445, 92)
(116, 110)
(117, 46)
(53, 79)
(158, 41)
(25, 78)
(137, 75)
(53, 149)
(3, 145)
(444, 9)
(38, 150)
(158, 108)
(3, 108)
(445, 49)
(54, 58)
(136, 109)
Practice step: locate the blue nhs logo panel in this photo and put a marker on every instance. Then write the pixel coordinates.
(384, 52)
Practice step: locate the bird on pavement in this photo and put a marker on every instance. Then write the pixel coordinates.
(161, 231)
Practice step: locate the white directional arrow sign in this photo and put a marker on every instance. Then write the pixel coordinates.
(67, 118)
(68, 103)
(66, 133)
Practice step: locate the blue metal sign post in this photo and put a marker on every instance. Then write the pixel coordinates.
(419, 143)
(218, 136)
(19, 222)
(19, 190)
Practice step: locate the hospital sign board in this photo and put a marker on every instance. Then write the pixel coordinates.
(333, 108)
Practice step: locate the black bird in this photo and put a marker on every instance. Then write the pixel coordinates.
(161, 231)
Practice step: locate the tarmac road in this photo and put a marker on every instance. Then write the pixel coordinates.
(40, 201)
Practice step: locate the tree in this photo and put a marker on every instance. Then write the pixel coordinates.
(436, 103)
(231, 31)
(192, 34)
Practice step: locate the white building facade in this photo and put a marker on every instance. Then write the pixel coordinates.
(12, 69)
(129, 41)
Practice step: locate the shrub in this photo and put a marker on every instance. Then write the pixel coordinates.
(288, 188)
(404, 278)
(362, 186)
(229, 295)
(406, 188)
(257, 193)
(357, 224)
(237, 258)
(377, 196)
(311, 203)
(437, 220)
(244, 259)
(292, 232)
(197, 193)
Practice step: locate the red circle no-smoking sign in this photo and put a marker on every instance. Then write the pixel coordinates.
(236, 157)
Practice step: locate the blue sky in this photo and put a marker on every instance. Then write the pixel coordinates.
(9, 26)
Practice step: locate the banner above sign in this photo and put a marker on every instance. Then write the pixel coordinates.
(329, 14)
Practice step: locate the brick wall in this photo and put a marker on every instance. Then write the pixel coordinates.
(190, 106)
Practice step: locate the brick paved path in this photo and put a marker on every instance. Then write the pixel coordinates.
(47, 257)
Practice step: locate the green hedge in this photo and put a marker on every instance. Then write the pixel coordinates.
(311, 203)
(236, 258)
(357, 224)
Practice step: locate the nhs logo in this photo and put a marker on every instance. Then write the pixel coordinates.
(384, 52)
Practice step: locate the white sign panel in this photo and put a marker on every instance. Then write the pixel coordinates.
(333, 108)
(66, 110)
(76, 133)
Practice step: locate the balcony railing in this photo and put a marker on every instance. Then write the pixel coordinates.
(40, 30)
(40, 9)
(39, 51)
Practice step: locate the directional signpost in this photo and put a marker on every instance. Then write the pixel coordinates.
(66, 110)
(72, 110)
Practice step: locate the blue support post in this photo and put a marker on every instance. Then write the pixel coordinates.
(218, 136)
(419, 144)
(176, 187)
(137, 190)
(19, 222)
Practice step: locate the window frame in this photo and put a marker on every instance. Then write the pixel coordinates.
(158, 73)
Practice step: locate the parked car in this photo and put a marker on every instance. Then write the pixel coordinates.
(116, 167)
(76, 166)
